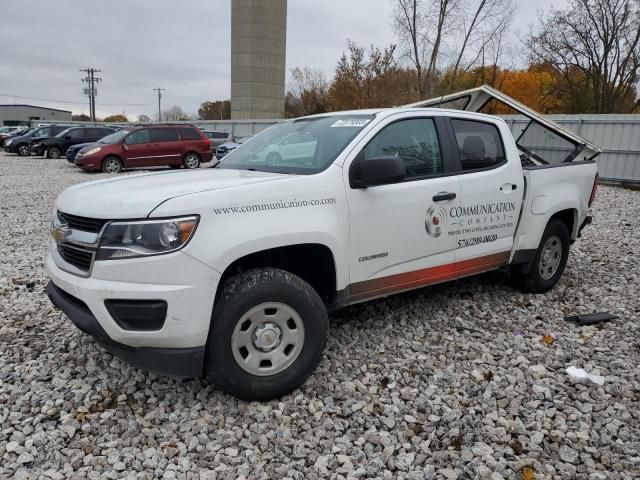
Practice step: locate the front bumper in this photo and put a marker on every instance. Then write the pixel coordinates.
(185, 284)
(179, 362)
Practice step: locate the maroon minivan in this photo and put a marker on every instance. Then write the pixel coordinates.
(147, 146)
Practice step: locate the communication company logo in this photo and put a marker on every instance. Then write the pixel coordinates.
(436, 219)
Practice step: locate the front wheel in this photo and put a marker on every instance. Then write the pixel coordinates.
(269, 329)
(191, 160)
(54, 153)
(549, 262)
(111, 165)
(23, 150)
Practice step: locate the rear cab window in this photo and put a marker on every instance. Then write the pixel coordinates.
(479, 144)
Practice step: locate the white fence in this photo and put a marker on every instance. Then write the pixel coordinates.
(617, 135)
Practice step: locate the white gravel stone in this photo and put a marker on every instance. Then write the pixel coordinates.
(452, 381)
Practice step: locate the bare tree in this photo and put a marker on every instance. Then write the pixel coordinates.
(594, 46)
(421, 27)
(483, 25)
(176, 113)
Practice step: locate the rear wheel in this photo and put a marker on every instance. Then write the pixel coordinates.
(111, 165)
(549, 262)
(268, 332)
(191, 160)
(53, 152)
(23, 150)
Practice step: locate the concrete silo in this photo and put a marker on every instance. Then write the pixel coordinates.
(258, 52)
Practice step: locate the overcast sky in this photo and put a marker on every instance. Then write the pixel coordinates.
(181, 46)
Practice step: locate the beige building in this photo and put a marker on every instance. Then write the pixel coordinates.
(258, 55)
(11, 115)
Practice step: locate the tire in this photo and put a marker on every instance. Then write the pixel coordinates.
(549, 262)
(112, 164)
(191, 160)
(53, 153)
(23, 150)
(252, 309)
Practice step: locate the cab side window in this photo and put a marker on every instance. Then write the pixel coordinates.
(140, 136)
(479, 144)
(415, 141)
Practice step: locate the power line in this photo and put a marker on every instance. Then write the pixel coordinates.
(159, 90)
(67, 102)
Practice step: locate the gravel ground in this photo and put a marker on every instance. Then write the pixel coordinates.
(462, 380)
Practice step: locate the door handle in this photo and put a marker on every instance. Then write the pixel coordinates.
(443, 196)
(508, 187)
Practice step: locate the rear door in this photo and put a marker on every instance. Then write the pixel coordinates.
(399, 236)
(166, 147)
(138, 149)
(491, 192)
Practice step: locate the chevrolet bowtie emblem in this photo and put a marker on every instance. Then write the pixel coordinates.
(60, 231)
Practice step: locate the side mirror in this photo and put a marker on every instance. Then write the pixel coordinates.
(125, 146)
(377, 171)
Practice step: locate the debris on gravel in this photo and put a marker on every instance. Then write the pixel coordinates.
(452, 381)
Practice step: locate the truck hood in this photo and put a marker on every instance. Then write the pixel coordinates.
(137, 196)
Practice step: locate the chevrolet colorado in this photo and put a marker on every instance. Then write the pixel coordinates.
(229, 272)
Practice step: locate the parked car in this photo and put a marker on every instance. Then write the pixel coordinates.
(57, 146)
(73, 150)
(151, 146)
(228, 147)
(8, 132)
(22, 143)
(229, 272)
(217, 138)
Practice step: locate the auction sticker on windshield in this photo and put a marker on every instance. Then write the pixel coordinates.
(352, 122)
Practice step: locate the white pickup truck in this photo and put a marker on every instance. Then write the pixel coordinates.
(229, 272)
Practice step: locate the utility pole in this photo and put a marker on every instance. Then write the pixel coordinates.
(159, 90)
(91, 80)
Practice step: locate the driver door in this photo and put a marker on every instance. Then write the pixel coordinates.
(400, 238)
(138, 149)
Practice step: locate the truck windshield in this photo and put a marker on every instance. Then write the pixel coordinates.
(304, 146)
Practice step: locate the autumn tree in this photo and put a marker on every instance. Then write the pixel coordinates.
(593, 48)
(308, 92)
(119, 117)
(216, 110)
(370, 79)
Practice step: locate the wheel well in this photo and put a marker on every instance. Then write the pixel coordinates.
(568, 217)
(314, 263)
(191, 151)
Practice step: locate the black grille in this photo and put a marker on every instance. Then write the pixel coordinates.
(85, 224)
(77, 257)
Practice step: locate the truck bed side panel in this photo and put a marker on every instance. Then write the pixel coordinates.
(552, 189)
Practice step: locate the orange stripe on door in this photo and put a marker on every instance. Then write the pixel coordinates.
(426, 276)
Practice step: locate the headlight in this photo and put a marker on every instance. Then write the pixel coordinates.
(146, 237)
(92, 151)
(8, 142)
